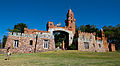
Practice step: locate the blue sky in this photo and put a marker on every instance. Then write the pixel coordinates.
(36, 13)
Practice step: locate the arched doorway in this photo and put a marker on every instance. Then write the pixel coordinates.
(63, 31)
(59, 38)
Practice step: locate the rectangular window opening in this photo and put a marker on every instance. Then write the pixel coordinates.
(86, 45)
(31, 42)
(16, 43)
(45, 44)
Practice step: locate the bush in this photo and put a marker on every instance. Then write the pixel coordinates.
(58, 44)
(72, 47)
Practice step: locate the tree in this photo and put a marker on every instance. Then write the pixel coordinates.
(113, 34)
(90, 29)
(18, 28)
(59, 37)
(4, 41)
(0, 44)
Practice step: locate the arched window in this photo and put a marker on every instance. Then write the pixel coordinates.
(99, 46)
(71, 37)
(31, 42)
(93, 45)
(50, 24)
(71, 21)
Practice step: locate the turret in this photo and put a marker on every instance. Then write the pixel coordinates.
(70, 21)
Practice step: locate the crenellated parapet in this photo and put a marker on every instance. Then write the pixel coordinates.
(87, 42)
(38, 34)
(16, 34)
(99, 41)
(90, 40)
(88, 37)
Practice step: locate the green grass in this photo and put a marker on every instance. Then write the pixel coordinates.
(62, 58)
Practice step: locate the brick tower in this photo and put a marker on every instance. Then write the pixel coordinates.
(70, 21)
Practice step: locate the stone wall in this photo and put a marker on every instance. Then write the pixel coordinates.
(71, 35)
(91, 48)
(2, 51)
(24, 43)
(104, 40)
(39, 46)
(94, 45)
(112, 47)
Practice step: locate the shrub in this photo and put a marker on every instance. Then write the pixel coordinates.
(72, 47)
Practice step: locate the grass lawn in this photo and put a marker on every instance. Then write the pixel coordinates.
(62, 58)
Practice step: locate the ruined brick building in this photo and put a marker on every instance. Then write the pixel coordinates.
(36, 40)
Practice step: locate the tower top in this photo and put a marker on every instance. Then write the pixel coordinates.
(70, 21)
(69, 10)
(70, 15)
(101, 30)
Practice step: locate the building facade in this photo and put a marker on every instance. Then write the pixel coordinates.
(37, 41)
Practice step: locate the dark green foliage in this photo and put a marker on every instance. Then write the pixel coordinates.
(90, 29)
(59, 37)
(112, 33)
(76, 28)
(4, 40)
(14, 30)
(72, 47)
(58, 44)
(0, 44)
(18, 28)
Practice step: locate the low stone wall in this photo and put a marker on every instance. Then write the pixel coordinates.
(112, 47)
(2, 51)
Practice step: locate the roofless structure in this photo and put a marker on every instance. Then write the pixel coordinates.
(36, 40)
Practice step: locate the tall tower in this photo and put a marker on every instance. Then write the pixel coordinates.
(70, 21)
